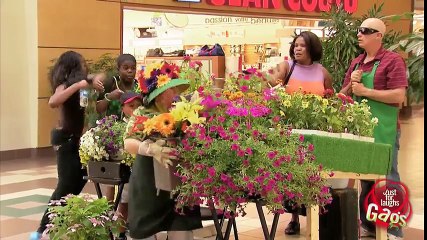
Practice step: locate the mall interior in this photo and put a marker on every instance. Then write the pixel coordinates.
(35, 32)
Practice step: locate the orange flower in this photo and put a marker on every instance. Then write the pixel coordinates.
(165, 124)
(162, 79)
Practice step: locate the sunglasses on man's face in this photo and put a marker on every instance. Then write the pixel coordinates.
(367, 31)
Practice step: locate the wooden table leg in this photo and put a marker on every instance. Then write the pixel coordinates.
(381, 233)
(312, 223)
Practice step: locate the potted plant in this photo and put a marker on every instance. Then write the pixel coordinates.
(82, 217)
(102, 150)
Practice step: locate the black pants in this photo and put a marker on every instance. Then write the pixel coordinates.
(70, 172)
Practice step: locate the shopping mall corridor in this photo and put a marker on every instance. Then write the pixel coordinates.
(27, 184)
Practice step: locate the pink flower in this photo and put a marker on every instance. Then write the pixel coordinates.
(221, 119)
(251, 70)
(301, 138)
(211, 171)
(289, 176)
(276, 119)
(272, 154)
(240, 153)
(255, 133)
(246, 77)
(235, 137)
(244, 88)
(235, 147)
(186, 58)
(249, 151)
(311, 147)
(331, 174)
(246, 162)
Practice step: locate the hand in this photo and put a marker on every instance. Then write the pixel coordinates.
(359, 89)
(279, 81)
(115, 95)
(356, 76)
(164, 155)
(83, 84)
(98, 82)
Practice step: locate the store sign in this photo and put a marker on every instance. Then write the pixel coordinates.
(292, 5)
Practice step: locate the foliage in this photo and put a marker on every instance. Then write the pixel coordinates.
(192, 71)
(82, 217)
(105, 142)
(334, 113)
(237, 155)
(106, 63)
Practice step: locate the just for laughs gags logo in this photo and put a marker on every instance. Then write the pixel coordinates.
(387, 204)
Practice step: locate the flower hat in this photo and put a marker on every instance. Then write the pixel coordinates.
(159, 77)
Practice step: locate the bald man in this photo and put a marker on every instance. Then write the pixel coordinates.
(379, 76)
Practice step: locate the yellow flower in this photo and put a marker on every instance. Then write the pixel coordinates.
(162, 80)
(287, 103)
(149, 126)
(150, 68)
(305, 104)
(251, 95)
(186, 110)
(282, 113)
(325, 102)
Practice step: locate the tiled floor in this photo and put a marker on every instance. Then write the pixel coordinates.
(27, 184)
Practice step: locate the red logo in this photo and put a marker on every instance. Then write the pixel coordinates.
(292, 5)
(387, 204)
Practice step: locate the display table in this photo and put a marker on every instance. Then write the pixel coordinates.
(348, 159)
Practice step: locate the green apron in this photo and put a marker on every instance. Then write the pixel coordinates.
(150, 212)
(386, 130)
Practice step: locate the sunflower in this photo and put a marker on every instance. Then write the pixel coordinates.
(165, 124)
(162, 80)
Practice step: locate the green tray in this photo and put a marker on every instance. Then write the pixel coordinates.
(350, 155)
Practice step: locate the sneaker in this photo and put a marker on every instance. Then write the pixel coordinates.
(35, 236)
(366, 233)
(392, 237)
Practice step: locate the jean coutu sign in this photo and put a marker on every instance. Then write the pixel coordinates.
(292, 5)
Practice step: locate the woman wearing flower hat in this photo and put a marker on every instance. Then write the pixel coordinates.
(152, 210)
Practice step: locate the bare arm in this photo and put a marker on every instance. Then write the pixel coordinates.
(346, 90)
(62, 94)
(327, 79)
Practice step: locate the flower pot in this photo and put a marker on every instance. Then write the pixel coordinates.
(347, 136)
(165, 178)
(108, 170)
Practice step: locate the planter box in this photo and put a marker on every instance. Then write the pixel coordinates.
(165, 178)
(334, 135)
(365, 139)
(309, 132)
(109, 170)
(347, 136)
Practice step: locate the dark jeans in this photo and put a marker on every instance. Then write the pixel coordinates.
(70, 172)
(367, 186)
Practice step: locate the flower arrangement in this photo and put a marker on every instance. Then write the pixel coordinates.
(236, 155)
(172, 124)
(104, 142)
(82, 217)
(333, 113)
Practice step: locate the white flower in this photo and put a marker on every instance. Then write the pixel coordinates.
(374, 120)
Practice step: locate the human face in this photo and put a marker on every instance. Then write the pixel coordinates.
(300, 51)
(128, 108)
(127, 71)
(164, 101)
(366, 36)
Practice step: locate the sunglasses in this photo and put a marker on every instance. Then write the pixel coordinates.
(367, 31)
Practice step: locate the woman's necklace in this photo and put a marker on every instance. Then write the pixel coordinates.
(123, 88)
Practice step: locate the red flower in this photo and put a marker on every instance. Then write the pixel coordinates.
(138, 125)
(171, 70)
(141, 82)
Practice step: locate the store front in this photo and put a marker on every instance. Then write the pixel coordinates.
(252, 33)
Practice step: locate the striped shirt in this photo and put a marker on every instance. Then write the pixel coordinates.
(390, 74)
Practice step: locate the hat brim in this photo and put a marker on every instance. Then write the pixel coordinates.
(184, 84)
(131, 99)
